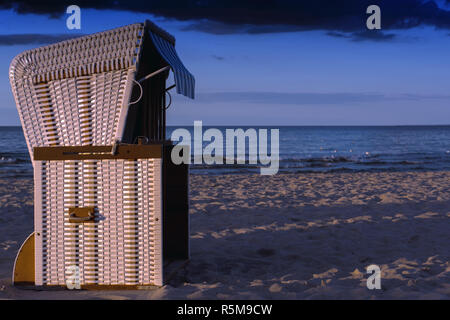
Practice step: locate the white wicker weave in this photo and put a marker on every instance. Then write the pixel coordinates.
(123, 246)
(76, 93)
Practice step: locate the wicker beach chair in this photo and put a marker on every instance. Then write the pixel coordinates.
(110, 207)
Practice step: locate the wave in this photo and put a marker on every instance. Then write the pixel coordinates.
(320, 160)
(364, 163)
(7, 160)
(16, 173)
(15, 165)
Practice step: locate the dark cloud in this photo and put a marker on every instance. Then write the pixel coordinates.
(267, 16)
(367, 35)
(285, 98)
(32, 38)
(218, 57)
(220, 28)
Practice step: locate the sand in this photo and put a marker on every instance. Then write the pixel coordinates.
(289, 236)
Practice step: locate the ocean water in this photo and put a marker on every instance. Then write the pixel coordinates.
(14, 157)
(305, 149)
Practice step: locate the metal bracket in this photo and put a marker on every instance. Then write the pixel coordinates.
(153, 74)
(80, 215)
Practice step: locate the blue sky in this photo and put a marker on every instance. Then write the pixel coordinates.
(279, 78)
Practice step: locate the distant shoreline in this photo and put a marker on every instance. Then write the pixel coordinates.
(291, 126)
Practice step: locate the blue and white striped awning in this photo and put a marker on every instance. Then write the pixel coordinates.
(184, 80)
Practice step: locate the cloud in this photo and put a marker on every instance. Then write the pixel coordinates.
(220, 28)
(285, 98)
(217, 57)
(33, 38)
(253, 16)
(368, 35)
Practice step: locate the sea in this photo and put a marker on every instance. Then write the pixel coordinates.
(302, 149)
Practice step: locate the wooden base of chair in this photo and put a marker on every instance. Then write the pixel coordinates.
(23, 273)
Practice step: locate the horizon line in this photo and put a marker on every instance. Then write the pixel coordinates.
(294, 125)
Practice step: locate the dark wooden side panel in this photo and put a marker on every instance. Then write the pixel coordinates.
(120, 151)
(175, 208)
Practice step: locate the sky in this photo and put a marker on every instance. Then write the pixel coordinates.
(272, 63)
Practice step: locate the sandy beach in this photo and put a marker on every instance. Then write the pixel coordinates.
(288, 236)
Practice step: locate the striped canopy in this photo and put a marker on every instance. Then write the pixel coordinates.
(165, 44)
